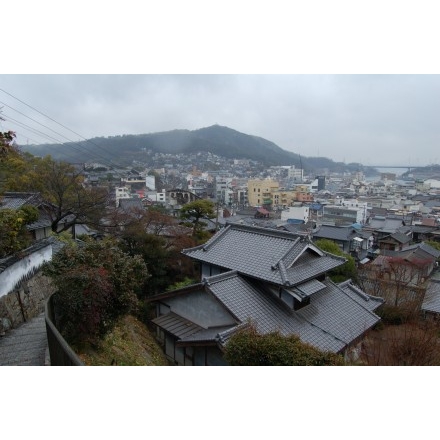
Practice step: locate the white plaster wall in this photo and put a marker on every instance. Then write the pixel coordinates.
(13, 274)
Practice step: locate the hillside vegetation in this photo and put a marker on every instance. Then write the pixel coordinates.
(129, 343)
(218, 140)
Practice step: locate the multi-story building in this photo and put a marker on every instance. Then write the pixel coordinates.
(122, 192)
(260, 192)
(348, 214)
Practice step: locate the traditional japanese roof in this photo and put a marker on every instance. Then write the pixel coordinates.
(401, 238)
(387, 224)
(339, 233)
(273, 256)
(176, 325)
(431, 302)
(420, 251)
(368, 301)
(131, 204)
(15, 200)
(335, 317)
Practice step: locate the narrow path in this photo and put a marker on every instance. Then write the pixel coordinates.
(26, 344)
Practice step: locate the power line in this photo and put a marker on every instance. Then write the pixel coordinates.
(91, 155)
(37, 132)
(56, 122)
(59, 134)
(40, 133)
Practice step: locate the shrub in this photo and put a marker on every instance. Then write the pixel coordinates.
(248, 347)
(96, 283)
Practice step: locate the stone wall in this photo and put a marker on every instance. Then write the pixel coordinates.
(24, 302)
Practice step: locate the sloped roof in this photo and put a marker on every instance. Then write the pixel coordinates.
(340, 233)
(368, 301)
(176, 325)
(335, 317)
(431, 302)
(15, 200)
(274, 256)
(401, 238)
(421, 251)
(131, 204)
(390, 225)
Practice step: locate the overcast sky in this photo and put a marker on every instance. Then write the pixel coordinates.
(372, 119)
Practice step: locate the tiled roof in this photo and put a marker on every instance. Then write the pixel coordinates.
(206, 335)
(176, 325)
(337, 313)
(419, 251)
(265, 254)
(129, 204)
(431, 302)
(333, 319)
(309, 288)
(341, 233)
(401, 238)
(15, 200)
(368, 301)
(385, 225)
(248, 301)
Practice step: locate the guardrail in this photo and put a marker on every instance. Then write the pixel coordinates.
(61, 354)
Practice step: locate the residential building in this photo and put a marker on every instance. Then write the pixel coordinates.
(296, 213)
(401, 277)
(260, 191)
(122, 192)
(277, 281)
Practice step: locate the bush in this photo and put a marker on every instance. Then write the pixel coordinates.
(248, 347)
(96, 284)
(395, 315)
(344, 272)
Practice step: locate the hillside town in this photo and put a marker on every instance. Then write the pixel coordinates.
(388, 225)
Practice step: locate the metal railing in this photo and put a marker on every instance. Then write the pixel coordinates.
(61, 354)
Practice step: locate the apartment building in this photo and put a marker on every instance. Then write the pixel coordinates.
(260, 191)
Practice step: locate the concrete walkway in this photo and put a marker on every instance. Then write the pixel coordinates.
(26, 344)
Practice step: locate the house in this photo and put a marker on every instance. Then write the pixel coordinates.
(401, 277)
(275, 279)
(431, 303)
(394, 242)
(42, 227)
(348, 238)
(261, 213)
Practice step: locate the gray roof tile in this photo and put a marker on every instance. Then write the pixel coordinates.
(332, 320)
(431, 302)
(258, 252)
(340, 233)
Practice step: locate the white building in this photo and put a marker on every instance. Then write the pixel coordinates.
(295, 173)
(150, 183)
(296, 213)
(122, 192)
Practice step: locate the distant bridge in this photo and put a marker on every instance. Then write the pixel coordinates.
(397, 166)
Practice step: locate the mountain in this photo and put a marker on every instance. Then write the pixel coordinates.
(219, 140)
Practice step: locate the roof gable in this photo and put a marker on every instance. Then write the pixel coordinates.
(265, 254)
(341, 233)
(333, 319)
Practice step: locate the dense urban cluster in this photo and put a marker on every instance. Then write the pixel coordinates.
(278, 223)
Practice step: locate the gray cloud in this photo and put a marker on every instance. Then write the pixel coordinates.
(373, 119)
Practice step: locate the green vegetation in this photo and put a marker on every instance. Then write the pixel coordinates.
(344, 272)
(195, 211)
(96, 284)
(128, 343)
(13, 233)
(434, 244)
(61, 185)
(248, 347)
